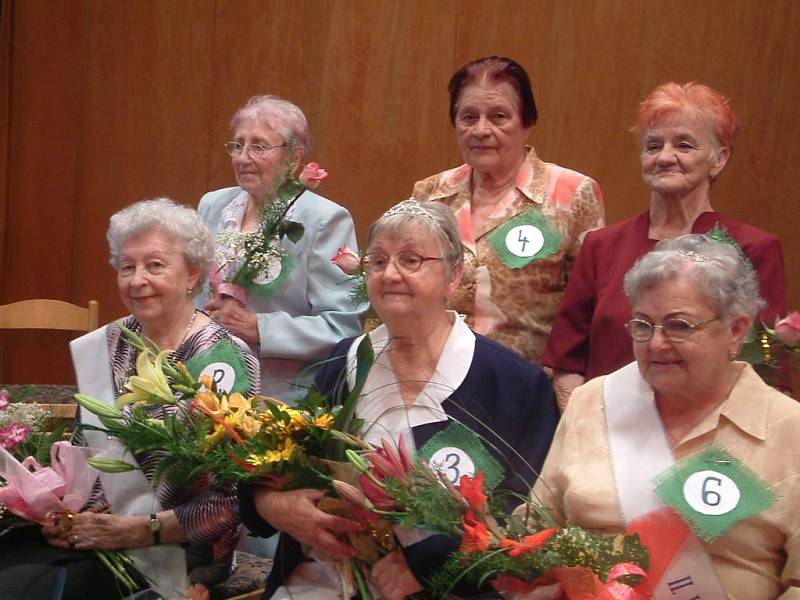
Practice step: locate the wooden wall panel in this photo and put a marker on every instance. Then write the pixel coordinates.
(110, 102)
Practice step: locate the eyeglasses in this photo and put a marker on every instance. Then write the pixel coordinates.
(254, 150)
(406, 262)
(675, 330)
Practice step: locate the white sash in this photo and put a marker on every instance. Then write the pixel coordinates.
(129, 493)
(639, 452)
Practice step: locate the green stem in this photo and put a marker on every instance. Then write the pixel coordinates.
(363, 588)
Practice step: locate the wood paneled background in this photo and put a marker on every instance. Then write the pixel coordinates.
(105, 102)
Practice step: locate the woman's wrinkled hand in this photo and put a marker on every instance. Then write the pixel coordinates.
(393, 578)
(296, 513)
(94, 531)
(230, 313)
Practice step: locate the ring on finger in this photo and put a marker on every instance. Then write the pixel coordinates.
(73, 539)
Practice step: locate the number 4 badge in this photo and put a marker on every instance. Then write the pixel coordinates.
(712, 491)
(526, 237)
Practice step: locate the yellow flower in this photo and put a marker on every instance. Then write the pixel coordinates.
(149, 384)
(298, 419)
(324, 421)
(273, 456)
(209, 401)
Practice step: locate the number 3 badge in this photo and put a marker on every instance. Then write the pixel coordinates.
(457, 451)
(527, 237)
(712, 491)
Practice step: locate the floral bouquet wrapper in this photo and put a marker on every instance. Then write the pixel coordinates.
(31, 491)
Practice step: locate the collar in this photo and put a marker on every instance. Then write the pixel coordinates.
(529, 180)
(380, 397)
(233, 214)
(742, 407)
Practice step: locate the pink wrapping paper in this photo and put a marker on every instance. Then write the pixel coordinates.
(32, 491)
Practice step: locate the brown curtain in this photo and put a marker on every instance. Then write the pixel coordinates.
(108, 102)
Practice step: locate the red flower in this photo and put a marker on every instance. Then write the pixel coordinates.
(376, 495)
(528, 544)
(476, 536)
(472, 490)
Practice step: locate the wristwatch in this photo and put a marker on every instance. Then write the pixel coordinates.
(155, 528)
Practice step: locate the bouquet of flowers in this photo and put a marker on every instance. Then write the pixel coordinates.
(525, 552)
(314, 444)
(776, 349)
(256, 262)
(45, 479)
(196, 429)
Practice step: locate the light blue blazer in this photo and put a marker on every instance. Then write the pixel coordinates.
(310, 312)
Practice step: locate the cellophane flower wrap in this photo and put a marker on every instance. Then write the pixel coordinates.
(256, 263)
(43, 477)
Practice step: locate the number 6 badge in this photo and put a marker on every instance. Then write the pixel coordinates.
(712, 491)
(527, 237)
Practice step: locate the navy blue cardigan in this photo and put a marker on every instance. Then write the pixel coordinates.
(506, 400)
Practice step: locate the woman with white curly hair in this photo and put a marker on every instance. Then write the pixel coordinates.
(162, 253)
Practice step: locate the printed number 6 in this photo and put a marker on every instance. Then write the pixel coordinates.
(710, 497)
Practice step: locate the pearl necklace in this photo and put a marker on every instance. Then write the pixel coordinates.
(188, 328)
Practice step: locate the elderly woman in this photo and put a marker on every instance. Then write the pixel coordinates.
(162, 253)
(686, 427)
(431, 373)
(521, 219)
(686, 134)
(307, 310)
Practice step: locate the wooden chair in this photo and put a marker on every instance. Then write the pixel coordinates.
(49, 314)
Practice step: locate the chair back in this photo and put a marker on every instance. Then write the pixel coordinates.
(49, 314)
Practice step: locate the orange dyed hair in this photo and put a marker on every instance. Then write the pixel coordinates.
(701, 101)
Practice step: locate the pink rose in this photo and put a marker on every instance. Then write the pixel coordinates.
(787, 330)
(347, 260)
(311, 176)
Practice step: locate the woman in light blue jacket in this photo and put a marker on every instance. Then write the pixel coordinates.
(307, 310)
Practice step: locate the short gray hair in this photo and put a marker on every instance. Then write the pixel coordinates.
(725, 277)
(181, 223)
(278, 114)
(434, 217)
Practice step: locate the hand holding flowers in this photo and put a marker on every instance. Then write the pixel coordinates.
(256, 262)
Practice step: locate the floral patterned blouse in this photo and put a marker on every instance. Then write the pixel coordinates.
(517, 264)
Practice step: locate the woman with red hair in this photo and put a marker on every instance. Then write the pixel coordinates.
(686, 134)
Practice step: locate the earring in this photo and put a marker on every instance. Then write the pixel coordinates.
(189, 291)
(732, 356)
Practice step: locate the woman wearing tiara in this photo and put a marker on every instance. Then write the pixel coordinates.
(431, 375)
